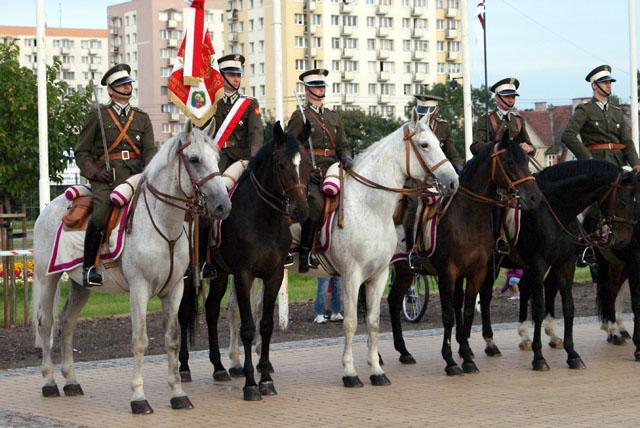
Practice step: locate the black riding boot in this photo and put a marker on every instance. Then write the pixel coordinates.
(92, 241)
(207, 270)
(307, 235)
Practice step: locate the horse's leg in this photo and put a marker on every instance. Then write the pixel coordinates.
(471, 293)
(534, 278)
(564, 276)
(187, 317)
(610, 280)
(271, 287)
(550, 291)
(212, 310)
(350, 289)
(257, 301)
(170, 306)
(234, 337)
(634, 288)
(242, 283)
(619, 305)
(458, 307)
(486, 294)
(523, 326)
(78, 297)
(375, 289)
(402, 279)
(47, 288)
(138, 300)
(446, 289)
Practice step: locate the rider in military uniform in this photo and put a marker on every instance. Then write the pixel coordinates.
(601, 126)
(503, 118)
(329, 146)
(130, 145)
(247, 137)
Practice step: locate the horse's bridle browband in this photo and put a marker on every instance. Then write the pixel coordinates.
(409, 145)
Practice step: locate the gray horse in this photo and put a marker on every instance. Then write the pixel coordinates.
(183, 176)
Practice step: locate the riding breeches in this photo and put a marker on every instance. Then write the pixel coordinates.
(316, 202)
(100, 198)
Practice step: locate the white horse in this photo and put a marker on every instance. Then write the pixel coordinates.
(182, 176)
(361, 251)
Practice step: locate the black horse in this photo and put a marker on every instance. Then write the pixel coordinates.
(498, 174)
(550, 237)
(255, 243)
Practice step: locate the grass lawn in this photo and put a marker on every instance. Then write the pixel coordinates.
(301, 289)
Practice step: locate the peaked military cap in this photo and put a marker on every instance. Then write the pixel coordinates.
(231, 63)
(600, 74)
(314, 78)
(506, 87)
(117, 75)
(426, 104)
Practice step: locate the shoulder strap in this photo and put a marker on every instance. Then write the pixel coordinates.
(493, 121)
(123, 132)
(318, 121)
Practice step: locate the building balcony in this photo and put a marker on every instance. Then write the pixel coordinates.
(347, 53)
(420, 77)
(383, 54)
(346, 7)
(232, 15)
(417, 33)
(453, 56)
(346, 31)
(384, 99)
(418, 55)
(451, 34)
(93, 51)
(174, 117)
(311, 52)
(383, 31)
(93, 67)
(233, 37)
(65, 51)
(382, 9)
(348, 75)
(451, 12)
(313, 29)
(383, 76)
(418, 11)
(172, 43)
(348, 98)
(311, 5)
(172, 23)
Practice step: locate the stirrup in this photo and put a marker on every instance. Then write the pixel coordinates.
(502, 247)
(91, 278)
(289, 260)
(207, 271)
(587, 258)
(312, 261)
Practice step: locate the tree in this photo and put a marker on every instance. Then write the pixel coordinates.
(363, 129)
(19, 170)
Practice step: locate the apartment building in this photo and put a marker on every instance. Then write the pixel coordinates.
(83, 52)
(147, 34)
(378, 52)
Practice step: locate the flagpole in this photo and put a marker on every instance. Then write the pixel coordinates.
(466, 81)
(486, 80)
(633, 72)
(277, 58)
(44, 191)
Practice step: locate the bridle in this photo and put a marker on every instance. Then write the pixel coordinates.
(508, 198)
(279, 202)
(410, 145)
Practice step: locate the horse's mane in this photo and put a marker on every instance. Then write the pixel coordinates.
(165, 153)
(374, 148)
(265, 153)
(471, 167)
(569, 173)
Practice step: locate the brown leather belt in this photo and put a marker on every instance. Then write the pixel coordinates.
(321, 152)
(607, 146)
(124, 155)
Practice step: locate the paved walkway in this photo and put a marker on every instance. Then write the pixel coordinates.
(506, 392)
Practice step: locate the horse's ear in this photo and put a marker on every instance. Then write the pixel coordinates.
(210, 129)
(303, 136)
(278, 133)
(188, 127)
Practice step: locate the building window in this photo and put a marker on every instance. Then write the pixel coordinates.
(300, 64)
(298, 19)
(336, 88)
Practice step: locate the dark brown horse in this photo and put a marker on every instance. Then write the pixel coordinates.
(498, 174)
(255, 243)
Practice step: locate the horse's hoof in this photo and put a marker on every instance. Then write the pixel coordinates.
(50, 391)
(251, 393)
(618, 340)
(637, 355)
(492, 351)
(352, 382)
(625, 334)
(221, 376)
(267, 388)
(236, 372)
(525, 345)
(470, 367)
(576, 363)
(179, 403)
(407, 359)
(73, 390)
(141, 407)
(379, 380)
(556, 343)
(185, 376)
(270, 369)
(454, 370)
(540, 365)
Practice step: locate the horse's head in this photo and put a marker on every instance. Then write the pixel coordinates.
(425, 159)
(292, 170)
(620, 209)
(510, 172)
(200, 158)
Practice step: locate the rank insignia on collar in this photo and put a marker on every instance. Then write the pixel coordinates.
(617, 125)
(596, 123)
(138, 137)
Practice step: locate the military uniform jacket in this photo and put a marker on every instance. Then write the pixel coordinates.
(248, 133)
(512, 122)
(597, 126)
(90, 146)
(442, 130)
(327, 135)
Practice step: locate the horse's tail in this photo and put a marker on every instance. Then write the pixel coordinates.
(188, 312)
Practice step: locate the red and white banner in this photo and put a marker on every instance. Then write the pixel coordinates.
(479, 22)
(195, 84)
(231, 121)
